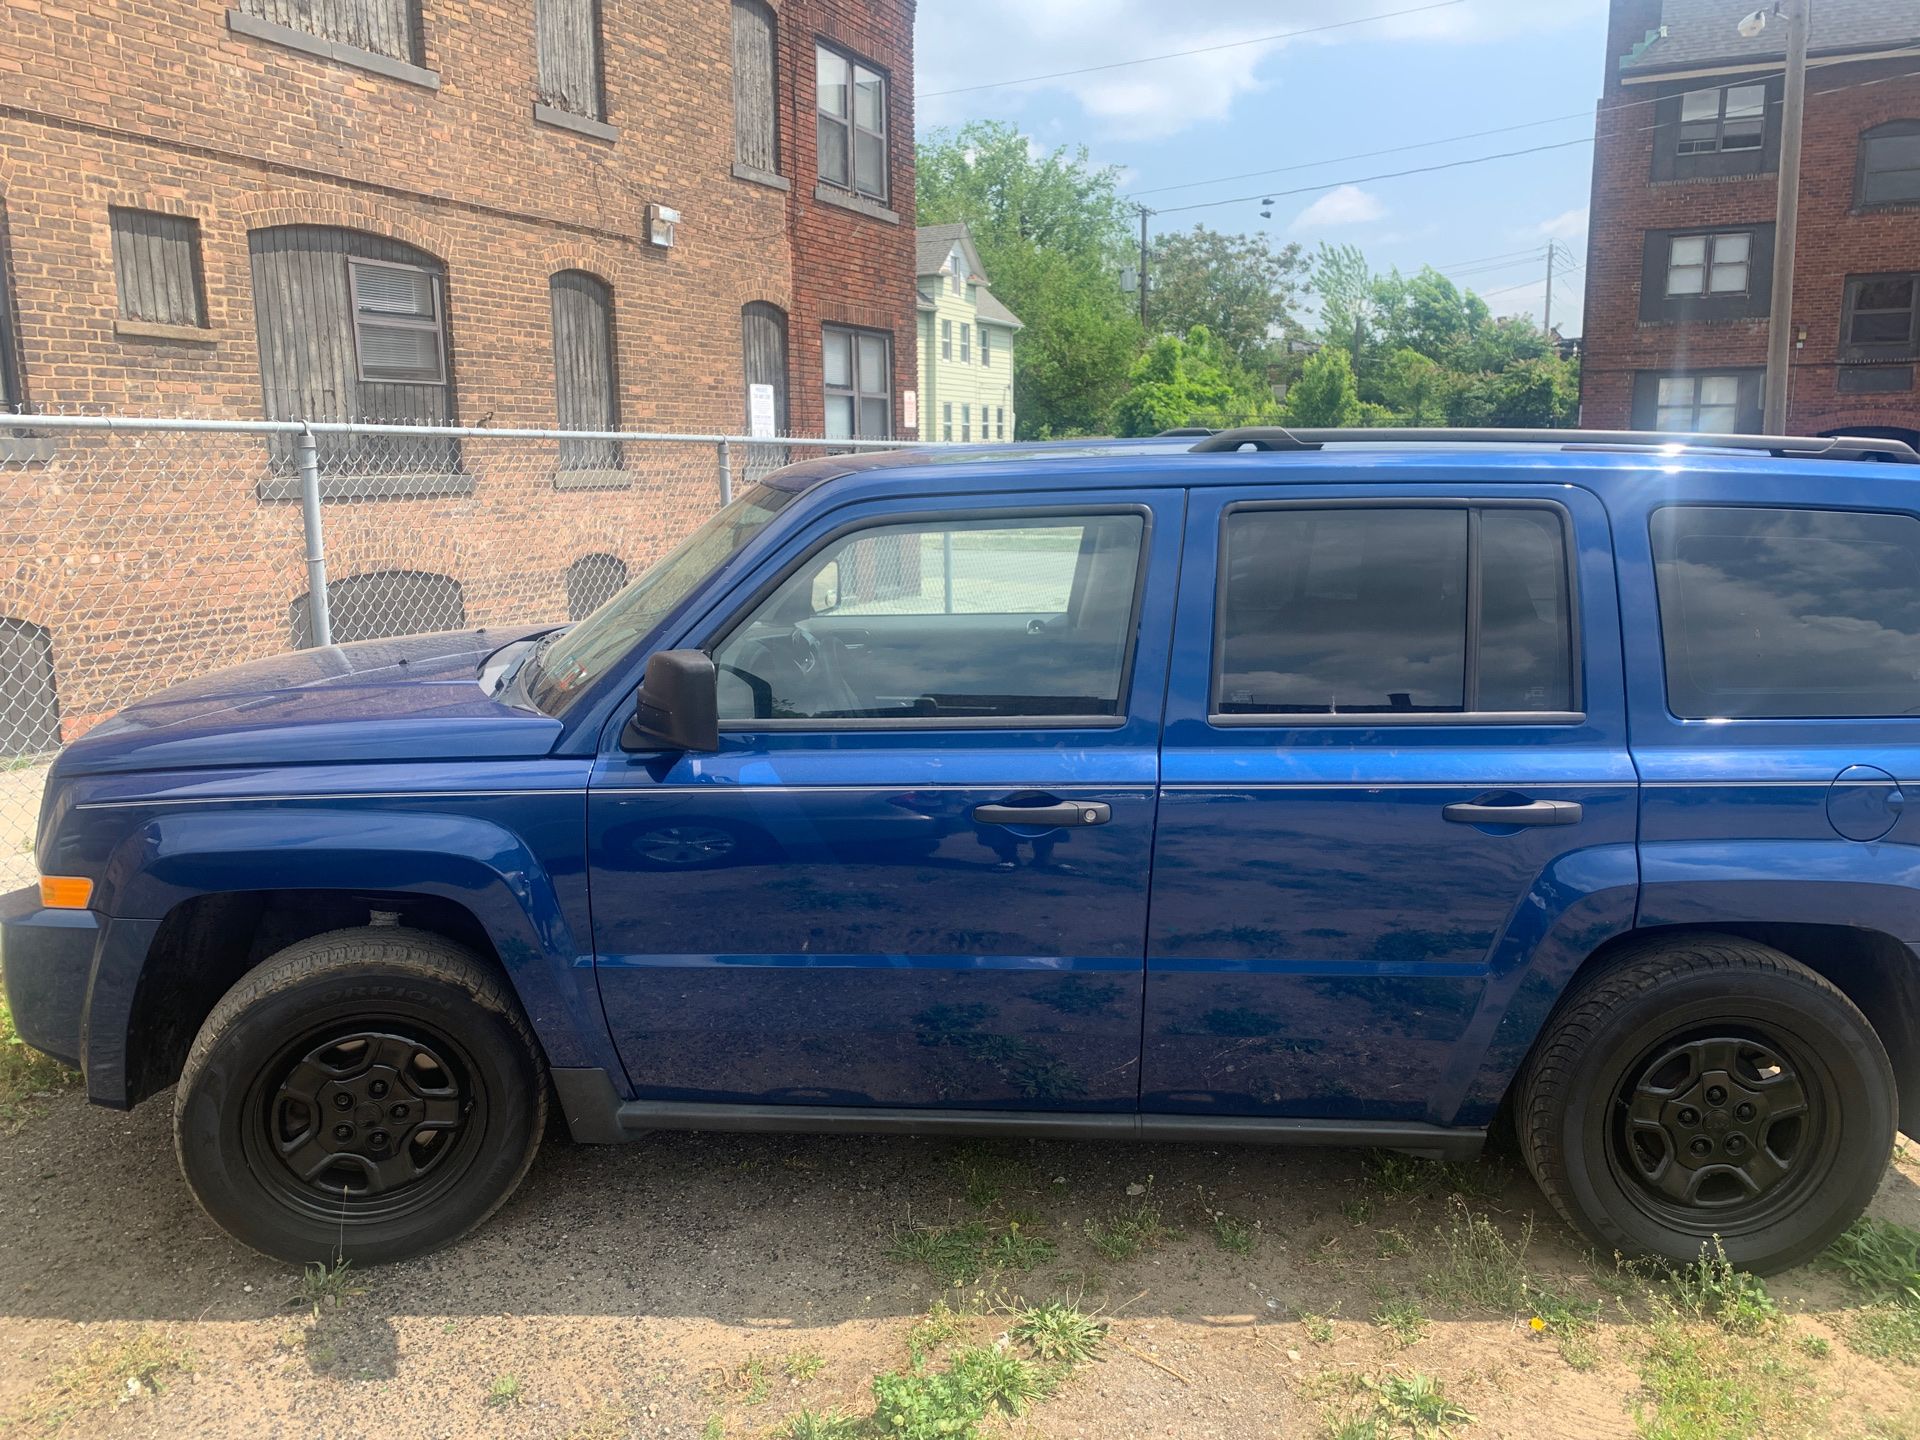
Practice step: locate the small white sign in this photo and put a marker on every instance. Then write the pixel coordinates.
(760, 412)
(910, 409)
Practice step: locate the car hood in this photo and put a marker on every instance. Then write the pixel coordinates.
(417, 697)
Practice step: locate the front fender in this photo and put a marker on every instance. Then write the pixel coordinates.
(471, 861)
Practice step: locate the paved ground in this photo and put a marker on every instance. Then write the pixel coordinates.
(714, 1285)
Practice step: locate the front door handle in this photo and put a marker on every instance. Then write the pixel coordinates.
(1534, 812)
(1062, 813)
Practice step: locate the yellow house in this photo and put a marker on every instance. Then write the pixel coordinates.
(966, 342)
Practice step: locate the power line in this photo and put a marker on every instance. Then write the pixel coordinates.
(1199, 50)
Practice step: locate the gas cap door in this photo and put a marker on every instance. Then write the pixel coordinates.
(1863, 802)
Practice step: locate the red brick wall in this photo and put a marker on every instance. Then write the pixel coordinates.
(1834, 242)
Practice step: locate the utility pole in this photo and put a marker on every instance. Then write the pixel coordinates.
(1546, 322)
(1798, 15)
(1144, 213)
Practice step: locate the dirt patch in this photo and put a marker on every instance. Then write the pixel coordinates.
(706, 1285)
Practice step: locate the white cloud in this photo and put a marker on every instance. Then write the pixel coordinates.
(1349, 205)
(1567, 225)
(965, 43)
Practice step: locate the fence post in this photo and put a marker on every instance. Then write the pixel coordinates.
(306, 457)
(726, 473)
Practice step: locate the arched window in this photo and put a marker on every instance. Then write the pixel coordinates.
(586, 387)
(1889, 172)
(354, 327)
(381, 603)
(29, 708)
(763, 344)
(756, 133)
(592, 580)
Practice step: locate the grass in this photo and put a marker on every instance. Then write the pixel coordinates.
(823, 1425)
(1479, 1266)
(24, 1071)
(1886, 1332)
(1318, 1327)
(322, 1284)
(1403, 1321)
(1398, 1405)
(1234, 1235)
(1711, 1288)
(1880, 1259)
(1131, 1232)
(505, 1390)
(801, 1366)
(1704, 1382)
(753, 1380)
(961, 1254)
(104, 1376)
(1059, 1333)
(1042, 1347)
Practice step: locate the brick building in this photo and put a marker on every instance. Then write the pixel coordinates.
(1680, 254)
(415, 210)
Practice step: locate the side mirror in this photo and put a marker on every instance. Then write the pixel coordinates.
(678, 707)
(826, 588)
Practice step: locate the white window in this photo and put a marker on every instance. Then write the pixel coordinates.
(859, 386)
(1703, 265)
(957, 267)
(1708, 404)
(986, 347)
(966, 422)
(966, 342)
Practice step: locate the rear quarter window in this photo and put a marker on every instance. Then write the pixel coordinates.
(1788, 614)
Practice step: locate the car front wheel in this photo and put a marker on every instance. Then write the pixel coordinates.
(366, 1094)
(1709, 1088)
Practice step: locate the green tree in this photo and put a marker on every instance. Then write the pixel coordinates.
(1190, 380)
(1427, 312)
(1342, 281)
(1238, 286)
(1052, 233)
(1414, 388)
(1325, 394)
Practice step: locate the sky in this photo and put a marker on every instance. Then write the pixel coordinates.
(1376, 75)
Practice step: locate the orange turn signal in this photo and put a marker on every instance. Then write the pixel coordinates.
(65, 892)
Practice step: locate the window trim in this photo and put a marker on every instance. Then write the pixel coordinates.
(946, 339)
(437, 325)
(713, 636)
(852, 126)
(1851, 349)
(1670, 166)
(1657, 307)
(852, 389)
(1646, 387)
(1904, 126)
(1709, 261)
(1540, 719)
(1722, 95)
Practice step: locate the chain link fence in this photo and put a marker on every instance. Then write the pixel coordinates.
(138, 553)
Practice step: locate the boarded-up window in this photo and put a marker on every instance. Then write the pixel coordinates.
(156, 267)
(756, 141)
(385, 602)
(586, 389)
(29, 710)
(592, 580)
(567, 36)
(763, 343)
(351, 328)
(386, 27)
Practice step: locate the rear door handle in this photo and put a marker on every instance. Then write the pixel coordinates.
(1534, 812)
(1062, 813)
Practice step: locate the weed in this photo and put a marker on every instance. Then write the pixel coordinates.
(1412, 1404)
(753, 1380)
(505, 1390)
(985, 1170)
(960, 1254)
(1403, 1320)
(932, 1330)
(105, 1375)
(1389, 1243)
(1709, 1384)
(1711, 1288)
(1816, 1347)
(919, 1404)
(822, 1425)
(1318, 1327)
(715, 1428)
(1130, 1232)
(1881, 1259)
(1480, 1267)
(1234, 1235)
(24, 1071)
(322, 1284)
(1357, 1210)
(1568, 1321)
(1886, 1332)
(1397, 1174)
(1480, 1179)
(802, 1365)
(609, 1422)
(1059, 1333)
(1016, 1250)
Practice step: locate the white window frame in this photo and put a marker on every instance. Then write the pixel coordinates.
(1711, 243)
(1696, 404)
(437, 324)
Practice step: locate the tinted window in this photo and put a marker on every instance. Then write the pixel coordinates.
(964, 619)
(1366, 611)
(1788, 613)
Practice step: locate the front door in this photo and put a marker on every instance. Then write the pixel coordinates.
(916, 872)
(1395, 775)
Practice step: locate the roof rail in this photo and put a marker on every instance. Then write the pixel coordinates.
(1186, 430)
(1811, 447)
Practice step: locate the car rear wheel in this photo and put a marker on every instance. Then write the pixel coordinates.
(1709, 1088)
(366, 1094)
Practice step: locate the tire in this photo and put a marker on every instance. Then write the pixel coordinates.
(366, 1094)
(1658, 1111)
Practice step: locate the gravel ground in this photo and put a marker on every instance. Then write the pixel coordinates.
(668, 1288)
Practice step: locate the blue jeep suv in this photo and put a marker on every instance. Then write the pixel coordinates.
(1330, 787)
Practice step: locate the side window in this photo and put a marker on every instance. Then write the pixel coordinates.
(1788, 614)
(1365, 610)
(952, 620)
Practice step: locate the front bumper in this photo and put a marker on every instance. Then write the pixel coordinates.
(46, 960)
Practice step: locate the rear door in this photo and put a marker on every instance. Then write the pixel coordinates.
(1395, 777)
(916, 872)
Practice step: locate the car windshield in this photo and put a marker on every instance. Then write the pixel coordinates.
(562, 671)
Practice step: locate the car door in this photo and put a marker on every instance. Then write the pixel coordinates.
(1395, 776)
(916, 871)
